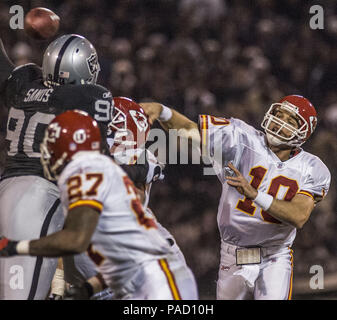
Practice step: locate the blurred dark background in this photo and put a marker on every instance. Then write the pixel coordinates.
(219, 57)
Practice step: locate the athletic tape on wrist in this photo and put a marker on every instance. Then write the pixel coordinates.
(58, 284)
(166, 114)
(263, 200)
(22, 247)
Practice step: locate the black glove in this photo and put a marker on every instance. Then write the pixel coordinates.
(83, 292)
(154, 168)
(155, 172)
(144, 172)
(7, 247)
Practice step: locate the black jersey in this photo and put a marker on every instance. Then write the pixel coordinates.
(31, 106)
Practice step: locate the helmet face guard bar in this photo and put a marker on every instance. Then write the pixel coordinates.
(122, 135)
(118, 121)
(50, 171)
(298, 135)
(45, 160)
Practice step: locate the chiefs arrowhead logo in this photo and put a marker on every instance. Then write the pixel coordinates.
(140, 120)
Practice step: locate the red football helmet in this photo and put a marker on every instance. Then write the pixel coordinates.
(130, 124)
(305, 114)
(68, 133)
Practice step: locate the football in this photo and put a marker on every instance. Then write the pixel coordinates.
(41, 23)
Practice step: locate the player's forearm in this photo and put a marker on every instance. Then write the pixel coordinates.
(75, 238)
(167, 117)
(295, 212)
(59, 244)
(289, 212)
(185, 127)
(178, 121)
(172, 119)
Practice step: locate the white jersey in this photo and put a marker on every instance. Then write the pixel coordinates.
(125, 237)
(240, 221)
(130, 156)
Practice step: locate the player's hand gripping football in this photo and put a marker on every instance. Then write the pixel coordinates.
(241, 184)
(152, 109)
(7, 247)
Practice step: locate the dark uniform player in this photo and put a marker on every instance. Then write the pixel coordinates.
(29, 204)
(32, 106)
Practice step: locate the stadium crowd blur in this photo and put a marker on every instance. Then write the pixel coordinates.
(225, 58)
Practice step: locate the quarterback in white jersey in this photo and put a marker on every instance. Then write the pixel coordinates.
(240, 221)
(270, 187)
(103, 216)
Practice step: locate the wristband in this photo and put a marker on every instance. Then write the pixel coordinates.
(263, 200)
(22, 247)
(166, 114)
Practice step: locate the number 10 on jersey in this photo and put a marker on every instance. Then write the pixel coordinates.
(258, 173)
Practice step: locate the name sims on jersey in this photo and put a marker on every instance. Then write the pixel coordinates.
(40, 95)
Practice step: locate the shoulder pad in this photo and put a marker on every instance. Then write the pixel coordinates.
(26, 72)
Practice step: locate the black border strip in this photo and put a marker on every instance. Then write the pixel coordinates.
(39, 260)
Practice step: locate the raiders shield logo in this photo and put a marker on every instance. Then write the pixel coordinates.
(140, 120)
(93, 64)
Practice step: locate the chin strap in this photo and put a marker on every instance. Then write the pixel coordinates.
(274, 141)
